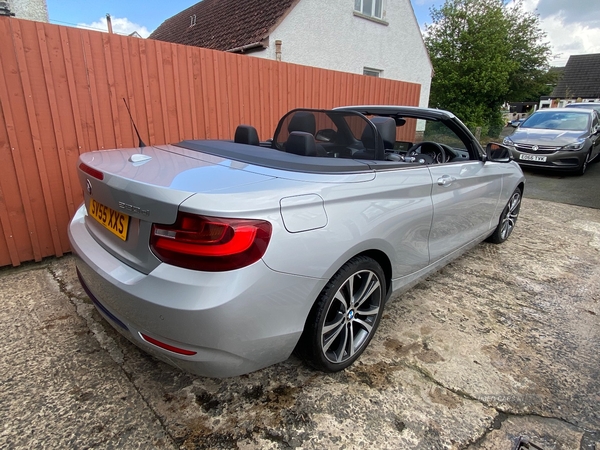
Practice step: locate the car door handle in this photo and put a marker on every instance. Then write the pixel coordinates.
(445, 180)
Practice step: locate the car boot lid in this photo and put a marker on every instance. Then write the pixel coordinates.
(169, 167)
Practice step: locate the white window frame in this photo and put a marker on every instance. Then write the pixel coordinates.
(370, 72)
(359, 6)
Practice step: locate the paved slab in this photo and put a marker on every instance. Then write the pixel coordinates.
(501, 344)
(58, 387)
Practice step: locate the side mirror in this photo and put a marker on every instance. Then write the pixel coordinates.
(497, 153)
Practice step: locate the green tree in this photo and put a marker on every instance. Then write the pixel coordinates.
(485, 53)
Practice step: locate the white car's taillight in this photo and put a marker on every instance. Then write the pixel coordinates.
(210, 244)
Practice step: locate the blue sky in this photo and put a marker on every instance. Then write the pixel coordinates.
(150, 13)
(146, 13)
(572, 27)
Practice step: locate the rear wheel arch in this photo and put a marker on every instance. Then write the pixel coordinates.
(378, 255)
(377, 249)
(384, 261)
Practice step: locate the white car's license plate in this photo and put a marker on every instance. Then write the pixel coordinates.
(533, 158)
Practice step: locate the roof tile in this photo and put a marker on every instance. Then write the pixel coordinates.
(580, 79)
(224, 24)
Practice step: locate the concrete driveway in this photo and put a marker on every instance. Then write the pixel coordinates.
(502, 343)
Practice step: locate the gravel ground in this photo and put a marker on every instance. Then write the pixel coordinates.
(501, 344)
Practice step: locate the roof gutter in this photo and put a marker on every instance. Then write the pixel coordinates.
(245, 48)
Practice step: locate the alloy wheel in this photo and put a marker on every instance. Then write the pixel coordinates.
(351, 316)
(510, 218)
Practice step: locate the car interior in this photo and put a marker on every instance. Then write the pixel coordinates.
(351, 135)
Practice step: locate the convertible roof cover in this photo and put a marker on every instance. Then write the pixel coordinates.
(276, 159)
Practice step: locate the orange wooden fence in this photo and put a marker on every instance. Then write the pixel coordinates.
(62, 91)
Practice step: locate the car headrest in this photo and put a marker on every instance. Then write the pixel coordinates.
(245, 134)
(303, 121)
(301, 143)
(386, 126)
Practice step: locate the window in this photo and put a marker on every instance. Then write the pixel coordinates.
(372, 8)
(440, 133)
(372, 72)
(552, 120)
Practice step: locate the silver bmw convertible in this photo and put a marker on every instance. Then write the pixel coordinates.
(223, 257)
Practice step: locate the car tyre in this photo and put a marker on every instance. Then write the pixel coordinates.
(345, 316)
(508, 219)
(581, 169)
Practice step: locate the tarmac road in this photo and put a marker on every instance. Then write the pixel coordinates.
(561, 187)
(564, 188)
(502, 343)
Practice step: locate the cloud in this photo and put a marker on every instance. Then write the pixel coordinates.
(574, 39)
(119, 25)
(573, 11)
(572, 28)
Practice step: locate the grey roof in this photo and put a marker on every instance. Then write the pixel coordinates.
(581, 78)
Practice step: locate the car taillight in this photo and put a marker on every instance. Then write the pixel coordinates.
(209, 243)
(91, 171)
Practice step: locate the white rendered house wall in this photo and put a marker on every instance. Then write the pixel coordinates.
(331, 36)
(29, 9)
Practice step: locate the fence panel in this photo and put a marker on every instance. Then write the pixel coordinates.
(62, 93)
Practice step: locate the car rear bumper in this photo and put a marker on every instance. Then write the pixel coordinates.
(233, 322)
(558, 160)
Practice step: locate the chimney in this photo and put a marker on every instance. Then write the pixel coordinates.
(109, 23)
(5, 9)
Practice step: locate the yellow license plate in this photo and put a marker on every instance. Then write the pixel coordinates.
(114, 221)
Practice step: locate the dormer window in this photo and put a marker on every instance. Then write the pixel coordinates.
(371, 8)
(372, 72)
